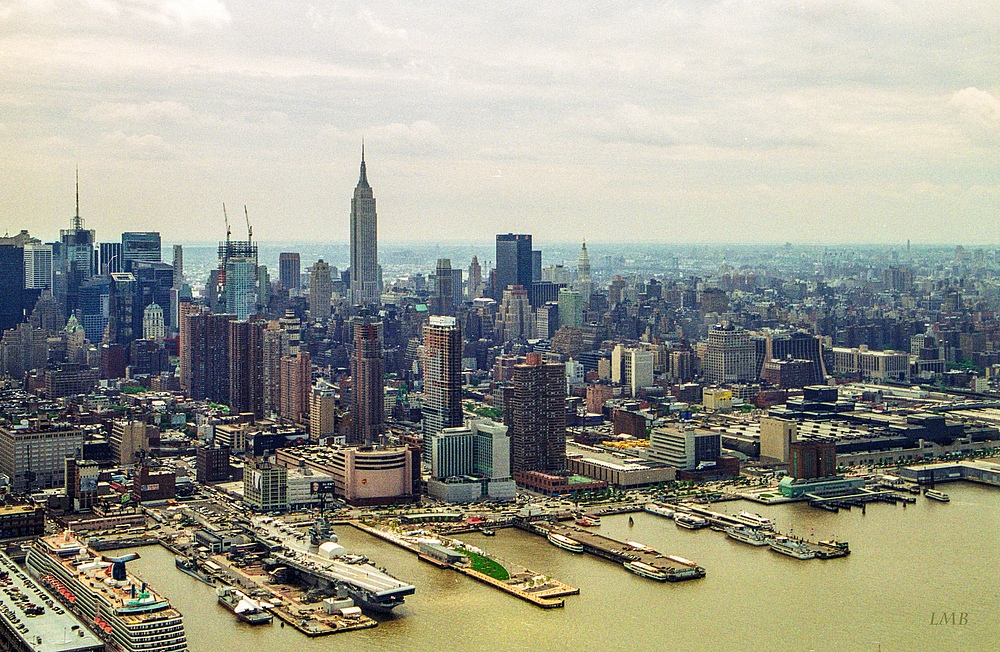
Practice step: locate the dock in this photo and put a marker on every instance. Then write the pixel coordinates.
(619, 552)
(541, 591)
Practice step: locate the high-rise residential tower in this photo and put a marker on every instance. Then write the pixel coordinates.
(246, 361)
(536, 415)
(368, 382)
(178, 266)
(442, 407)
(320, 290)
(364, 289)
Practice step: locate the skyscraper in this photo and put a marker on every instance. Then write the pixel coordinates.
(77, 254)
(443, 292)
(12, 278)
(584, 282)
(246, 361)
(236, 283)
(296, 383)
(37, 266)
(513, 262)
(514, 320)
(537, 415)
(178, 266)
(204, 349)
(289, 270)
(364, 289)
(140, 245)
(320, 290)
(570, 308)
(475, 278)
(442, 407)
(367, 382)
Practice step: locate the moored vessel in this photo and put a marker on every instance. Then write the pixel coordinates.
(121, 609)
(659, 510)
(564, 542)
(792, 548)
(748, 535)
(755, 520)
(690, 521)
(250, 611)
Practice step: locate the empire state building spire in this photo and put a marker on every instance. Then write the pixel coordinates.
(365, 287)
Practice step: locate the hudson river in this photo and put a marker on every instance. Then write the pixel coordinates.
(920, 578)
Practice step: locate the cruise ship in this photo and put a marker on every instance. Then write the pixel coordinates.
(326, 561)
(123, 611)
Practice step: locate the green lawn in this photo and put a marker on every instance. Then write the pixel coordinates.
(486, 566)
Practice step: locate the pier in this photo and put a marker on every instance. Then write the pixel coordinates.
(541, 591)
(621, 552)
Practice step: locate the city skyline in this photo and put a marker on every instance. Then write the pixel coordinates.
(819, 123)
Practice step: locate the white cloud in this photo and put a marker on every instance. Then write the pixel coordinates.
(146, 146)
(978, 112)
(139, 112)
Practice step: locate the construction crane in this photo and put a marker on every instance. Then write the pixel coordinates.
(249, 228)
(228, 232)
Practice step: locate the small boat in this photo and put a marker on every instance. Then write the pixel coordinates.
(583, 521)
(755, 520)
(593, 518)
(939, 496)
(631, 522)
(564, 542)
(648, 571)
(690, 521)
(488, 532)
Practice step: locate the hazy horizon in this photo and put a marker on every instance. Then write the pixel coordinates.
(818, 122)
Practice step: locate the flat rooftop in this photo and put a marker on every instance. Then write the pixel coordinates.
(57, 629)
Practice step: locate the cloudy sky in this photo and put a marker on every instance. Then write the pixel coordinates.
(824, 121)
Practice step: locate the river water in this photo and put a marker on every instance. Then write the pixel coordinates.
(910, 569)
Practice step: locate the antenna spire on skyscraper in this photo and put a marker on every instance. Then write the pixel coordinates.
(77, 222)
(363, 180)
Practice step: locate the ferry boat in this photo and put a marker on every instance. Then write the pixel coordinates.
(833, 549)
(690, 521)
(755, 520)
(122, 610)
(748, 535)
(792, 548)
(659, 510)
(243, 606)
(648, 571)
(939, 496)
(564, 542)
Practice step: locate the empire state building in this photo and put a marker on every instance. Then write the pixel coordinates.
(364, 290)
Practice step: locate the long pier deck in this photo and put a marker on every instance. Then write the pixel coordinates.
(620, 552)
